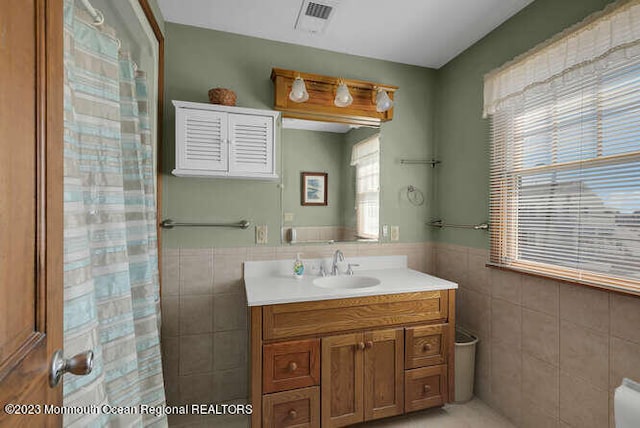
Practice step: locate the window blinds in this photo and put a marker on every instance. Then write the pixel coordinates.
(365, 156)
(565, 163)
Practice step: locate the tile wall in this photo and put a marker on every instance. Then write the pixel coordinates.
(550, 353)
(204, 323)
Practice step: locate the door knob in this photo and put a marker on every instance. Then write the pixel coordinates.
(426, 347)
(293, 414)
(368, 344)
(360, 345)
(292, 367)
(80, 364)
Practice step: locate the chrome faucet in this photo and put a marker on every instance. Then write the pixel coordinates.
(337, 257)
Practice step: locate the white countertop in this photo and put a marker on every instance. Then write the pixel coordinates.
(272, 282)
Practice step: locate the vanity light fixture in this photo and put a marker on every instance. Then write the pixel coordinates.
(331, 98)
(343, 96)
(298, 92)
(383, 102)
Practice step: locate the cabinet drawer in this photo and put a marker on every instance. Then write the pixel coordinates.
(425, 387)
(426, 346)
(338, 315)
(299, 408)
(290, 365)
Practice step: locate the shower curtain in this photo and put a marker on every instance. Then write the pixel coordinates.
(111, 292)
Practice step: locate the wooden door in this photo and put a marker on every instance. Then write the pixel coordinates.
(383, 373)
(342, 380)
(31, 178)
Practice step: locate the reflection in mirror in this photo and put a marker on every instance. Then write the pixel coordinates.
(350, 158)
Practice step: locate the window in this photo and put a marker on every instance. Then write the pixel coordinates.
(365, 156)
(565, 174)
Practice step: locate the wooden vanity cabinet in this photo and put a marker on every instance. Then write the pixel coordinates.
(340, 362)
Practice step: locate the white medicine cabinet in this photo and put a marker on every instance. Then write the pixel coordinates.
(222, 141)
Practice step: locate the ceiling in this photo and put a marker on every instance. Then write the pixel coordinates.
(426, 33)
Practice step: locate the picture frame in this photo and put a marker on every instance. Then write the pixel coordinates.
(314, 189)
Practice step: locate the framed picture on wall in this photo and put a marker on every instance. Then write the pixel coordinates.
(314, 188)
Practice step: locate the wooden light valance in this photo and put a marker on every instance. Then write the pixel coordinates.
(322, 91)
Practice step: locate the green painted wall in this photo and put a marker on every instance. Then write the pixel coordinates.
(462, 136)
(312, 151)
(198, 59)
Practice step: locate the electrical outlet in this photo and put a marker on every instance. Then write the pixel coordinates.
(261, 234)
(385, 230)
(288, 217)
(395, 233)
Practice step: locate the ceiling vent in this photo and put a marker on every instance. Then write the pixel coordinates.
(314, 15)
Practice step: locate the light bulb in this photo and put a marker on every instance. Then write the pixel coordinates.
(343, 97)
(383, 102)
(298, 92)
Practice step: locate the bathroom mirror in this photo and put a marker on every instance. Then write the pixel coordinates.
(347, 204)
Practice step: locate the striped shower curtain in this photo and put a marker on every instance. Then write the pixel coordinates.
(111, 292)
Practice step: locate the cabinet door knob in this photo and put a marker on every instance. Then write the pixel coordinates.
(360, 345)
(292, 414)
(368, 344)
(292, 367)
(426, 347)
(427, 388)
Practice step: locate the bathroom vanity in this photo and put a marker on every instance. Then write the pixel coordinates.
(339, 350)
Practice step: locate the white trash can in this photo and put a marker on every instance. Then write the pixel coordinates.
(465, 365)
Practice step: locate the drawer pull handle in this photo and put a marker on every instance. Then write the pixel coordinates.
(360, 345)
(368, 344)
(427, 389)
(292, 367)
(426, 347)
(293, 414)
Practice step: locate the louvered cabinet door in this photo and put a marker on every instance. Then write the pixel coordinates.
(252, 145)
(202, 140)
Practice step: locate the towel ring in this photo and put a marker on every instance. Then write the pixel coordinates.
(415, 196)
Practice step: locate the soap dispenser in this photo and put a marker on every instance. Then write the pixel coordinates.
(298, 267)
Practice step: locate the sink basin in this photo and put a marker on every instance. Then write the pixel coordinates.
(346, 282)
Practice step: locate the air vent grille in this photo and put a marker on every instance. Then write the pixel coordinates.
(315, 15)
(320, 11)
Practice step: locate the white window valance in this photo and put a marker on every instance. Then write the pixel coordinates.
(366, 149)
(616, 28)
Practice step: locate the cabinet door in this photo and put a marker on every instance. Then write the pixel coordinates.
(383, 373)
(341, 382)
(252, 145)
(201, 140)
